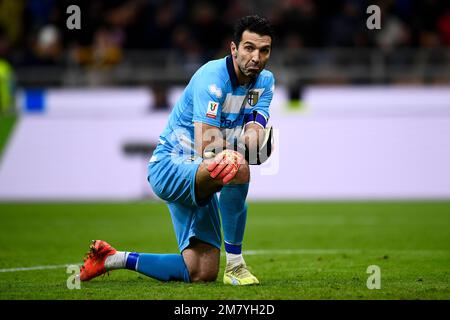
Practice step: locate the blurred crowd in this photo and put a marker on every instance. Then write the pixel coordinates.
(34, 32)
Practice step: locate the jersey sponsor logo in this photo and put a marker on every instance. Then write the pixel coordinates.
(212, 109)
(228, 124)
(253, 97)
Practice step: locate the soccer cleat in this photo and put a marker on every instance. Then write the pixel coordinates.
(94, 263)
(239, 276)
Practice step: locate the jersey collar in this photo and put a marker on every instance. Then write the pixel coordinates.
(232, 74)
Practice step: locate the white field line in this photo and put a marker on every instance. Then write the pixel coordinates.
(300, 251)
(58, 266)
(260, 252)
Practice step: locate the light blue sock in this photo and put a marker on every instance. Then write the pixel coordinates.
(164, 267)
(233, 211)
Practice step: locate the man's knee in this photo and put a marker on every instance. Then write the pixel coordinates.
(243, 174)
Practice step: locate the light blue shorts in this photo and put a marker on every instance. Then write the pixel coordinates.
(172, 178)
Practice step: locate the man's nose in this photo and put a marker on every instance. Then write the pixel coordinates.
(255, 57)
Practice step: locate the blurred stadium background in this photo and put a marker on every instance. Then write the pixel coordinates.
(361, 115)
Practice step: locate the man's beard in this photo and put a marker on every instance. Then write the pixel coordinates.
(252, 76)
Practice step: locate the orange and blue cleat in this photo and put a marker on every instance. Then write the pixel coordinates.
(94, 263)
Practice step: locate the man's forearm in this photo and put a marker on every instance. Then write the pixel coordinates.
(208, 139)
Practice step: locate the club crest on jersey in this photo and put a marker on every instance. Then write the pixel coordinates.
(212, 109)
(253, 97)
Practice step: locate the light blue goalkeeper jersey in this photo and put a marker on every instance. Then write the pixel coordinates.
(214, 96)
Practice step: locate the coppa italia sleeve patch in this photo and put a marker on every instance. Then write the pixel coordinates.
(212, 109)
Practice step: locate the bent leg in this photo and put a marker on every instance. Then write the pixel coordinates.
(196, 222)
(198, 234)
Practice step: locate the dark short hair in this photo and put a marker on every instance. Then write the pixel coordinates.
(254, 24)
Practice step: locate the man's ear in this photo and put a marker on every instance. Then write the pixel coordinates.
(233, 49)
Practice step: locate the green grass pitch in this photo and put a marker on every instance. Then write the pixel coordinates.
(298, 250)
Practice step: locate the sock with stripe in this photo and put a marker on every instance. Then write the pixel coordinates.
(164, 267)
(233, 211)
(234, 255)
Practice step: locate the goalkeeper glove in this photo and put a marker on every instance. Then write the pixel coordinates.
(226, 165)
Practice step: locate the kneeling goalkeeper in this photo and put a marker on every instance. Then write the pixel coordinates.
(215, 131)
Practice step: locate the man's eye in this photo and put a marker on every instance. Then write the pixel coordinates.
(249, 48)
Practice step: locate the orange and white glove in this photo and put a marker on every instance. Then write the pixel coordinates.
(225, 165)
